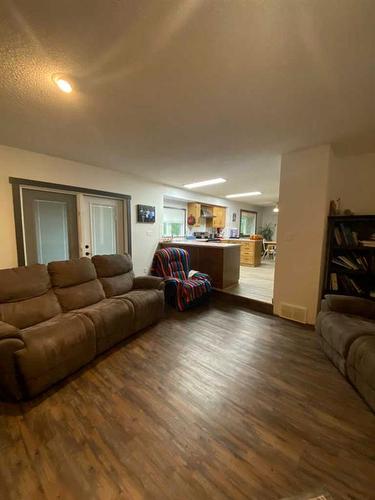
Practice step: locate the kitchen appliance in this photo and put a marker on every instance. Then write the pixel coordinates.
(233, 233)
(202, 235)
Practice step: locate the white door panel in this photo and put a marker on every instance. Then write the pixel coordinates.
(102, 226)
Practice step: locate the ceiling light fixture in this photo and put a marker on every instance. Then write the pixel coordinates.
(63, 84)
(276, 209)
(242, 195)
(209, 182)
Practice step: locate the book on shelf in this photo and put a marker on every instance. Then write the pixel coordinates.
(349, 285)
(368, 243)
(351, 262)
(334, 283)
(345, 237)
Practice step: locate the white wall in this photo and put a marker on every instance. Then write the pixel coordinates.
(270, 217)
(145, 237)
(353, 180)
(303, 203)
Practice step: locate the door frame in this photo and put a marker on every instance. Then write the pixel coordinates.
(18, 184)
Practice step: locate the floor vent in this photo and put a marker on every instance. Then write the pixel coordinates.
(295, 313)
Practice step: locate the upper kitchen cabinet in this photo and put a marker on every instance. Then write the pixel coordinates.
(219, 216)
(194, 210)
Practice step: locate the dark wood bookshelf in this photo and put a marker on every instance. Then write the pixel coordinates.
(342, 235)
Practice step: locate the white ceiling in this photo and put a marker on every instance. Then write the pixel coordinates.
(179, 91)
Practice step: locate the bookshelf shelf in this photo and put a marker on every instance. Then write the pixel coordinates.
(350, 266)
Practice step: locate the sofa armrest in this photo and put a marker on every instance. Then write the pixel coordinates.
(349, 305)
(148, 282)
(10, 342)
(9, 331)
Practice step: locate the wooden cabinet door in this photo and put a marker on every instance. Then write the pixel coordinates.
(219, 216)
(194, 209)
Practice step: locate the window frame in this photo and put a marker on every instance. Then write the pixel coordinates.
(174, 208)
(256, 220)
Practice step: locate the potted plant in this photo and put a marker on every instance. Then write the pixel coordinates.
(266, 232)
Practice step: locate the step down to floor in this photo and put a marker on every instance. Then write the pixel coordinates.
(255, 305)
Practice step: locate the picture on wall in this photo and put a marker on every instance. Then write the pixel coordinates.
(145, 213)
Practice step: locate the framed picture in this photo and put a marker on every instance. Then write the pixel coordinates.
(145, 213)
(234, 217)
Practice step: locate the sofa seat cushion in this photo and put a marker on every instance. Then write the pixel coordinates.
(113, 320)
(148, 306)
(53, 349)
(361, 367)
(341, 330)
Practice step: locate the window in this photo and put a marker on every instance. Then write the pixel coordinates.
(248, 222)
(174, 221)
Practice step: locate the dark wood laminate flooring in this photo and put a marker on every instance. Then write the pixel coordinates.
(215, 403)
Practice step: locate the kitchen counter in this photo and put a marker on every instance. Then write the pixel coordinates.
(221, 261)
(203, 243)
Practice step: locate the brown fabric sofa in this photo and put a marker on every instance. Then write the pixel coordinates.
(55, 320)
(346, 326)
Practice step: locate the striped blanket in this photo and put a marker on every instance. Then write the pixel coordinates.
(173, 265)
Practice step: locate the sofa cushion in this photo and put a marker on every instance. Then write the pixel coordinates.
(72, 272)
(21, 283)
(54, 349)
(361, 367)
(113, 320)
(76, 297)
(75, 283)
(148, 306)
(26, 297)
(115, 273)
(112, 265)
(24, 313)
(341, 330)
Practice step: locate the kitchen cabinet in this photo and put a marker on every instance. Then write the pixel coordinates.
(219, 216)
(251, 251)
(194, 209)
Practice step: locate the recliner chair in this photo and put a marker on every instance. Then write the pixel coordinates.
(184, 288)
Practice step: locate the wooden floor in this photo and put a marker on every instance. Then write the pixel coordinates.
(255, 282)
(215, 403)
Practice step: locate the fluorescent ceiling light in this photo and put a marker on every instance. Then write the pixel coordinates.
(193, 185)
(242, 195)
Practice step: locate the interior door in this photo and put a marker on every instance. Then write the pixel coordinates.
(50, 226)
(102, 230)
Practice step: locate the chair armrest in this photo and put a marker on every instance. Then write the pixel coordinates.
(197, 274)
(148, 282)
(349, 305)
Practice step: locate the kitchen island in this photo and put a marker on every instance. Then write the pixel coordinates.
(221, 261)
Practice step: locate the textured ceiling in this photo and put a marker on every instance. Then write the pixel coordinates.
(179, 91)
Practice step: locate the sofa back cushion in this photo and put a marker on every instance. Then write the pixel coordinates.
(26, 297)
(75, 283)
(115, 273)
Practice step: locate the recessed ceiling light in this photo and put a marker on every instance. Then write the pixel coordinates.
(209, 182)
(242, 195)
(63, 84)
